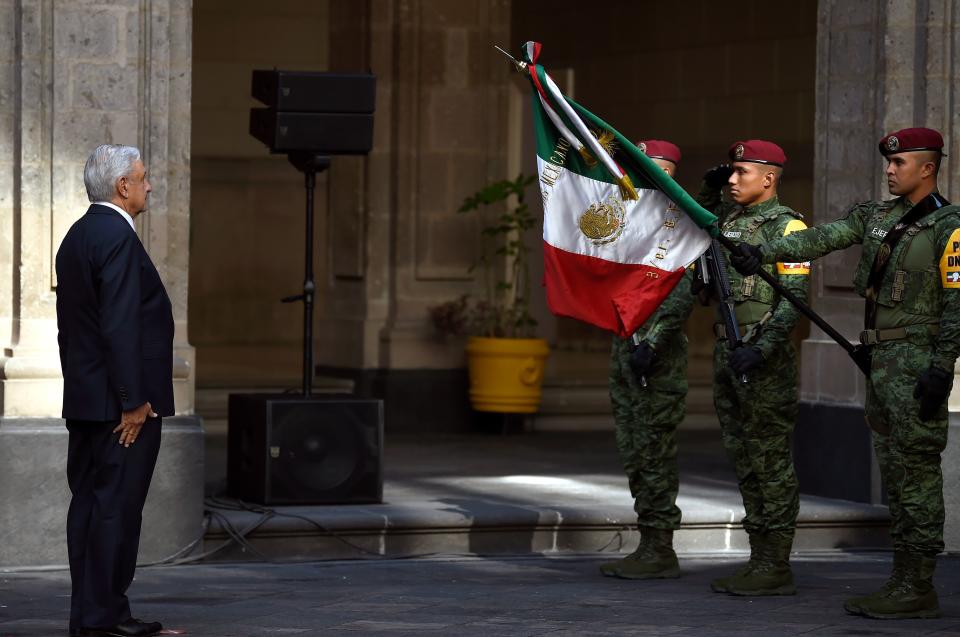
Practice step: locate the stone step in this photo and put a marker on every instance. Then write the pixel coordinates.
(469, 519)
(556, 492)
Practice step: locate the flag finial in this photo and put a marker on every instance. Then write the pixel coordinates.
(521, 66)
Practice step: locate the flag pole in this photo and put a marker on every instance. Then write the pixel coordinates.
(859, 353)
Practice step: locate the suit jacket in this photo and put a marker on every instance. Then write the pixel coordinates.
(114, 319)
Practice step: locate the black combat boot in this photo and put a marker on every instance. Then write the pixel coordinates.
(912, 596)
(771, 575)
(897, 573)
(721, 584)
(653, 559)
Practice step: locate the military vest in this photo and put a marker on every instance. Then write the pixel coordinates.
(911, 290)
(754, 229)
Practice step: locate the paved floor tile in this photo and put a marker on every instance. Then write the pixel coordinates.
(531, 596)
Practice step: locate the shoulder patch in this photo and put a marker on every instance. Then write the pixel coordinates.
(950, 262)
(793, 226)
(794, 268)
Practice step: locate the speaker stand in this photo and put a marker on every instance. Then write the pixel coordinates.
(309, 164)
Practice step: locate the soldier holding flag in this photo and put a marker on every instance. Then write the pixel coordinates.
(909, 274)
(648, 388)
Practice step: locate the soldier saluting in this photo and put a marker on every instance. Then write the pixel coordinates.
(757, 417)
(909, 274)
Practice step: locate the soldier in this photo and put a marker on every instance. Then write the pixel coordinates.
(648, 385)
(909, 274)
(755, 386)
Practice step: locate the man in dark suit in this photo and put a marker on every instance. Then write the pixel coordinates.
(115, 326)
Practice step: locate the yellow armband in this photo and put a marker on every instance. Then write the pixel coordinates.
(794, 268)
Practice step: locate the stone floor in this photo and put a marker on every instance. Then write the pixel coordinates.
(553, 596)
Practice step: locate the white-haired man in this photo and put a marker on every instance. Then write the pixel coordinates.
(115, 327)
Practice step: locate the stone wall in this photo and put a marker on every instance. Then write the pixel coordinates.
(75, 75)
(396, 244)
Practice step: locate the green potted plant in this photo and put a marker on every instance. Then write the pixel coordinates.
(505, 361)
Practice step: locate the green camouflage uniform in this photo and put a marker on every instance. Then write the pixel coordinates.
(918, 295)
(757, 417)
(647, 417)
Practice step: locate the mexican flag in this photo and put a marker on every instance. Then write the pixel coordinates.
(618, 233)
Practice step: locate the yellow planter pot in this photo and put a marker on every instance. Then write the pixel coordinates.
(506, 373)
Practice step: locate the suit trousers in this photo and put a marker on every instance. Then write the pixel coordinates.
(109, 483)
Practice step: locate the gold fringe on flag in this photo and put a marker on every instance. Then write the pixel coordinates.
(609, 141)
(627, 191)
(587, 157)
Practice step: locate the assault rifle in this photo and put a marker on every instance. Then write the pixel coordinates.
(859, 353)
(712, 274)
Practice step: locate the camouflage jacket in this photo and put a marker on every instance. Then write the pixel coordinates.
(921, 284)
(755, 300)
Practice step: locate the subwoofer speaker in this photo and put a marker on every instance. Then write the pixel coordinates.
(289, 449)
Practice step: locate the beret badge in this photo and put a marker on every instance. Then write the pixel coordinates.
(738, 151)
(893, 144)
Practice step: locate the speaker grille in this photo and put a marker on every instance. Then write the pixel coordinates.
(313, 450)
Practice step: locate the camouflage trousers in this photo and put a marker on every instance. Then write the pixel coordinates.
(646, 425)
(908, 449)
(756, 422)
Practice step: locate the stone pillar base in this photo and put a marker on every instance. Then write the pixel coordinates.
(951, 484)
(34, 495)
(833, 453)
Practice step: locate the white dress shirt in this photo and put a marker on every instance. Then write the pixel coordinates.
(118, 209)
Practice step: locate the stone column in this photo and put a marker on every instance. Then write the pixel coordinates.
(396, 244)
(74, 75)
(881, 66)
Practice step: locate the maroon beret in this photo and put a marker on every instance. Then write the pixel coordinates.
(910, 139)
(758, 151)
(660, 149)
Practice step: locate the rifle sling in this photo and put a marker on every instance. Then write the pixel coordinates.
(881, 260)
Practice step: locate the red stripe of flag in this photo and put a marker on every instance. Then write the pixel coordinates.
(605, 293)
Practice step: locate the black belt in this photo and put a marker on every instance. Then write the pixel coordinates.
(873, 337)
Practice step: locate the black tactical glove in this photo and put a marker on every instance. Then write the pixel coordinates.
(747, 259)
(641, 359)
(697, 286)
(932, 389)
(745, 359)
(717, 176)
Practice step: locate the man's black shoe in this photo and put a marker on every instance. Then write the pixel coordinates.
(130, 628)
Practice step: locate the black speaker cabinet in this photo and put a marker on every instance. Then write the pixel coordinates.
(334, 133)
(312, 92)
(287, 449)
